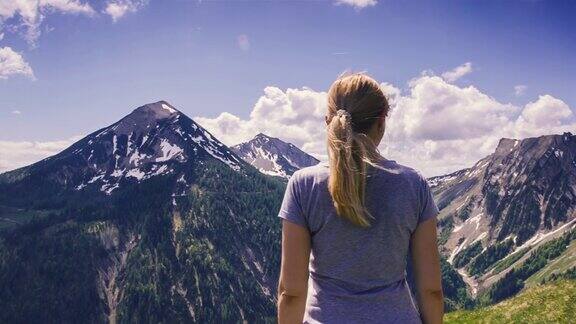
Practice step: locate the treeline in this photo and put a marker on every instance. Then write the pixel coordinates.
(513, 281)
(490, 256)
(454, 288)
(463, 257)
(446, 226)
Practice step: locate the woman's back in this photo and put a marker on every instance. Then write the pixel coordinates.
(348, 224)
(358, 273)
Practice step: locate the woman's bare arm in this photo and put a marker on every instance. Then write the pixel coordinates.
(293, 284)
(426, 264)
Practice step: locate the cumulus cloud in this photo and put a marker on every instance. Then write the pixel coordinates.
(545, 115)
(26, 16)
(243, 42)
(12, 63)
(519, 90)
(436, 110)
(293, 115)
(357, 4)
(457, 72)
(117, 9)
(16, 112)
(434, 126)
(15, 154)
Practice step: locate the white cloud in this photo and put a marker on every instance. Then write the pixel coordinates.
(437, 110)
(119, 8)
(434, 126)
(519, 90)
(357, 4)
(15, 154)
(243, 42)
(12, 63)
(26, 16)
(16, 112)
(293, 115)
(543, 116)
(457, 72)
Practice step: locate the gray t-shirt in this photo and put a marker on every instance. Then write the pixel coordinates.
(358, 275)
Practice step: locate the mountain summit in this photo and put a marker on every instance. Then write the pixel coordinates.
(155, 139)
(273, 156)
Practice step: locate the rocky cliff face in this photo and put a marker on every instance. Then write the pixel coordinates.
(520, 196)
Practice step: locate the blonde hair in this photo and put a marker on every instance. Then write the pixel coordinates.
(355, 102)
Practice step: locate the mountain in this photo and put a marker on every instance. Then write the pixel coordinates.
(515, 207)
(150, 219)
(274, 157)
(153, 140)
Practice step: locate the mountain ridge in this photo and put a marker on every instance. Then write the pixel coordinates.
(273, 156)
(152, 140)
(508, 200)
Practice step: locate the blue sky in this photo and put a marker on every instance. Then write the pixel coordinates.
(209, 57)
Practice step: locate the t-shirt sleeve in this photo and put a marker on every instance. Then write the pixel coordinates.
(429, 207)
(291, 208)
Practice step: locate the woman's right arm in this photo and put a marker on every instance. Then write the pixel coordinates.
(426, 265)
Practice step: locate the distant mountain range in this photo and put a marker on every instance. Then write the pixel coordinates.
(272, 156)
(155, 219)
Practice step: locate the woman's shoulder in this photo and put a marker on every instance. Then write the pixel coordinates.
(391, 167)
(394, 169)
(318, 170)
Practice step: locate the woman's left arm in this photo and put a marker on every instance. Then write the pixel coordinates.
(293, 283)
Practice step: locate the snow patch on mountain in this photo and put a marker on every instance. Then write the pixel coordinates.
(169, 109)
(169, 151)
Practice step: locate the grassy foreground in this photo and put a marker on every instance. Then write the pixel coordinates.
(554, 302)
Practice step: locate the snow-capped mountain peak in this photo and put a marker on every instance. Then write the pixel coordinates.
(273, 156)
(155, 139)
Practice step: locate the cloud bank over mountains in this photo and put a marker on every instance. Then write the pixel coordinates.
(435, 125)
(15, 154)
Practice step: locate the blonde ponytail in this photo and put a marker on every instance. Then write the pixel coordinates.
(355, 102)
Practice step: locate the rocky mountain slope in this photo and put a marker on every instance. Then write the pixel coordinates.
(150, 219)
(509, 203)
(274, 157)
(153, 140)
